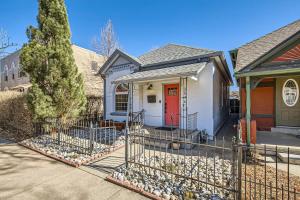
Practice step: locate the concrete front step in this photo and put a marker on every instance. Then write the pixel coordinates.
(293, 159)
(286, 130)
(271, 149)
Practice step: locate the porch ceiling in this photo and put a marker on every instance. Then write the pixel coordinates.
(168, 72)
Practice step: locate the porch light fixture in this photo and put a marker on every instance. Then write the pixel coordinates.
(150, 87)
(194, 78)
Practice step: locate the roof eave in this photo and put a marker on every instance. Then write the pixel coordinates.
(188, 74)
(266, 72)
(217, 53)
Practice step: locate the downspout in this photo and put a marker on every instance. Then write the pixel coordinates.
(104, 98)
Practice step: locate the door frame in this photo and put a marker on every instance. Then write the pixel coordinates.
(163, 102)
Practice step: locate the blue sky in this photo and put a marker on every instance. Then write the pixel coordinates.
(142, 25)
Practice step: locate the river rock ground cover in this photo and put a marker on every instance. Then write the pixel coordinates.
(178, 175)
(75, 148)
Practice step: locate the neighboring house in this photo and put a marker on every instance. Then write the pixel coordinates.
(267, 70)
(12, 77)
(87, 61)
(173, 85)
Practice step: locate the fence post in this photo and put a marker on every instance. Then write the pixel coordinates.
(126, 145)
(239, 165)
(58, 130)
(91, 131)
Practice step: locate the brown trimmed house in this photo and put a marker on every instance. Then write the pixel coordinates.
(268, 73)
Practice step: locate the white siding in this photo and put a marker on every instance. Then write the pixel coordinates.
(110, 90)
(220, 108)
(200, 98)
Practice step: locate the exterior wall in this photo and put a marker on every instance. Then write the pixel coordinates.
(200, 98)
(154, 112)
(285, 115)
(262, 104)
(120, 68)
(88, 63)
(8, 61)
(220, 100)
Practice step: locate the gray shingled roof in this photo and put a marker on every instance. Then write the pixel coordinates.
(182, 70)
(251, 51)
(171, 52)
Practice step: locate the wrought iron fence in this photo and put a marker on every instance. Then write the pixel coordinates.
(206, 168)
(264, 173)
(82, 135)
(197, 168)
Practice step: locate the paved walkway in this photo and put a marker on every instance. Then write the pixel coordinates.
(25, 174)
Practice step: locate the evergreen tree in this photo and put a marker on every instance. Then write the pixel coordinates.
(57, 87)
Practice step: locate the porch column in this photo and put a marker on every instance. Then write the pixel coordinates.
(248, 108)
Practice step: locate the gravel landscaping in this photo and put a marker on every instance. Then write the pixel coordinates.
(75, 148)
(172, 181)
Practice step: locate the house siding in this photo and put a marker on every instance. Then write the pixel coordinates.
(12, 82)
(110, 112)
(200, 98)
(220, 103)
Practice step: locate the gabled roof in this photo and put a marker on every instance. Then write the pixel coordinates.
(252, 51)
(172, 52)
(114, 56)
(168, 56)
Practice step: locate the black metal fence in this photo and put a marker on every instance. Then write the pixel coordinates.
(197, 168)
(204, 168)
(83, 135)
(265, 173)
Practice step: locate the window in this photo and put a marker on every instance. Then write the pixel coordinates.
(5, 73)
(290, 92)
(13, 70)
(172, 91)
(121, 97)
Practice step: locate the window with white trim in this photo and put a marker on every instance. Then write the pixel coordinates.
(121, 97)
(290, 92)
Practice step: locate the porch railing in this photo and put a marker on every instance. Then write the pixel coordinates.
(192, 121)
(137, 119)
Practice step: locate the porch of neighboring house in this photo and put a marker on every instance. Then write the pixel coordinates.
(229, 130)
(271, 103)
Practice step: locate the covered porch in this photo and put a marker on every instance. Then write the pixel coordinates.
(272, 101)
(165, 96)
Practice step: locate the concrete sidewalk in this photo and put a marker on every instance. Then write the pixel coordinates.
(25, 174)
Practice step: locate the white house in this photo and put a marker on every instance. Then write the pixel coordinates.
(175, 85)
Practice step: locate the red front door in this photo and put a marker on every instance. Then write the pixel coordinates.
(171, 104)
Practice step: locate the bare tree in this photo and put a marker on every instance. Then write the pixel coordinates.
(108, 42)
(4, 42)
